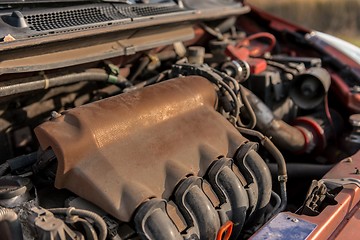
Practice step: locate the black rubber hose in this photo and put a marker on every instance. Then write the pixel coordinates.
(158, 78)
(10, 227)
(285, 136)
(144, 62)
(249, 109)
(217, 78)
(283, 193)
(21, 86)
(270, 147)
(3, 168)
(225, 25)
(282, 170)
(278, 157)
(277, 200)
(142, 65)
(21, 162)
(99, 222)
(242, 91)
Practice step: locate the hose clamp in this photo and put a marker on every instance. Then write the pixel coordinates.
(282, 178)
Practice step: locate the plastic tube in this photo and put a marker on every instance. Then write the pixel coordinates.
(17, 86)
(285, 136)
(84, 214)
(278, 157)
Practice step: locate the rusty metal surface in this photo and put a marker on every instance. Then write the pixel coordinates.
(335, 221)
(123, 150)
(340, 221)
(54, 56)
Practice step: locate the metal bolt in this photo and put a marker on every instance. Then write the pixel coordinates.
(295, 220)
(54, 115)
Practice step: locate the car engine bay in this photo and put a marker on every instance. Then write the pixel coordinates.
(173, 120)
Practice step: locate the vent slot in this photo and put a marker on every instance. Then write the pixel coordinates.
(88, 15)
(71, 18)
(145, 11)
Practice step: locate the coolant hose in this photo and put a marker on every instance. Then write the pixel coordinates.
(282, 134)
(24, 85)
(99, 222)
(10, 227)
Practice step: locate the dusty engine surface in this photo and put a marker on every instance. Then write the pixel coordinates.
(186, 151)
(173, 145)
(174, 120)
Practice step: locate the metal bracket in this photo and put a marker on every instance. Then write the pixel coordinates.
(343, 181)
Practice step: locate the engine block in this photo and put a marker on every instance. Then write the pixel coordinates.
(134, 153)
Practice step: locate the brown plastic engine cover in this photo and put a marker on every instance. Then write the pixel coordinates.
(121, 151)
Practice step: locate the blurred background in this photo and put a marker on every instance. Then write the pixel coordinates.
(337, 17)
